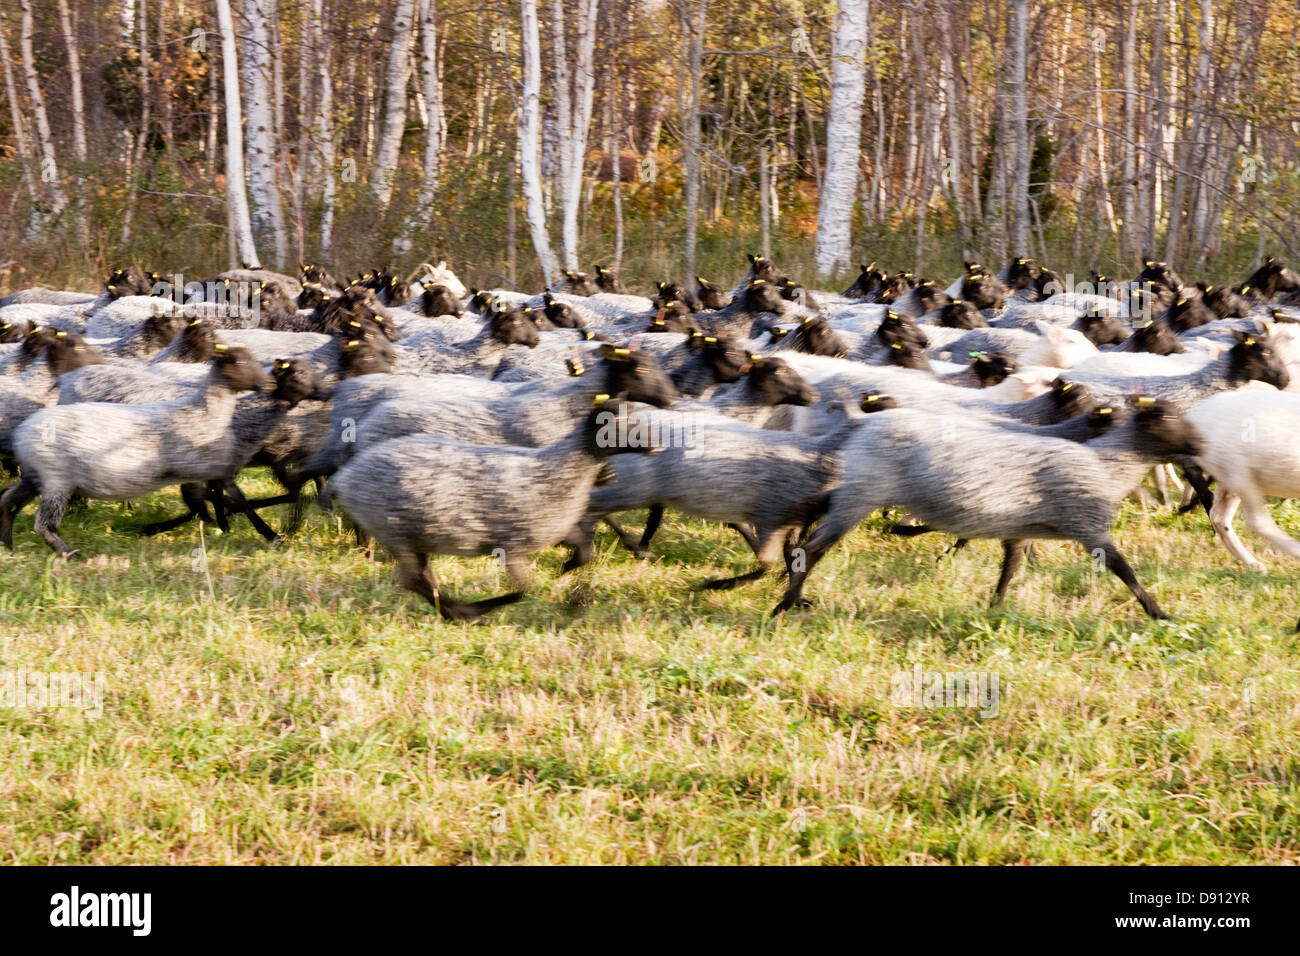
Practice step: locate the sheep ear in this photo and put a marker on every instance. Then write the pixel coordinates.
(614, 353)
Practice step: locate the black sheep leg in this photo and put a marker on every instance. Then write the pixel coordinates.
(13, 501)
(1013, 553)
(1120, 568)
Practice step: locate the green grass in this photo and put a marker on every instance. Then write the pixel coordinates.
(291, 705)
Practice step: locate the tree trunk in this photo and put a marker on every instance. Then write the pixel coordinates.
(573, 95)
(1021, 225)
(834, 250)
(263, 182)
(396, 76)
(235, 194)
(25, 158)
(74, 76)
(54, 195)
(431, 81)
(691, 135)
(529, 146)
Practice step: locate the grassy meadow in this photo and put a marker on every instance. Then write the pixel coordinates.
(289, 704)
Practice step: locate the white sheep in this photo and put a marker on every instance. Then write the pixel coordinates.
(1249, 447)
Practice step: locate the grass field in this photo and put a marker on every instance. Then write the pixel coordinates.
(291, 705)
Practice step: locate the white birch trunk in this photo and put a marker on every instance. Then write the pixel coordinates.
(431, 84)
(1020, 223)
(322, 125)
(263, 184)
(236, 197)
(74, 77)
(574, 100)
(53, 193)
(396, 75)
(843, 139)
(529, 147)
(20, 135)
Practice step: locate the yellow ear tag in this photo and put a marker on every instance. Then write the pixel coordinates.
(350, 344)
(1103, 411)
(871, 398)
(711, 340)
(1248, 341)
(600, 399)
(622, 351)
(896, 345)
(219, 347)
(1146, 400)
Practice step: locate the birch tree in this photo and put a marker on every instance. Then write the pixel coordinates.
(263, 181)
(1020, 223)
(396, 75)
(530, 160)
(574, 90)
(236, 197)
(20, 135)
(53, 193)
(431, 85)
(691, 131)
(843, 139)
(322, 128)
(74, 78)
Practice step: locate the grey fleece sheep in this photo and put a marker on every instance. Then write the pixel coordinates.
(530, 416)
(23, 395)
(976, 479)
(426, 495)
(1252, 357)
(116, 452)
(725, 470)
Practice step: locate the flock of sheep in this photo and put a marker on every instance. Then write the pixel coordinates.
(453, 421)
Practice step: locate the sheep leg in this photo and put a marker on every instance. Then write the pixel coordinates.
(651, 525)
(1160, 480)
(1200, 483)
(910, 530)
(1013, 554)
(953, 548)
(1261, 522)
(579, 539)
(48, 518)
(767, 543)
(195, 499)
(289, 497)
(747, 532)
(625, 538)
(1120, 568)
(13, 501)
(838, 523)
(240, 502)
(414, 575)
(1221, 515)
(219, 511)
